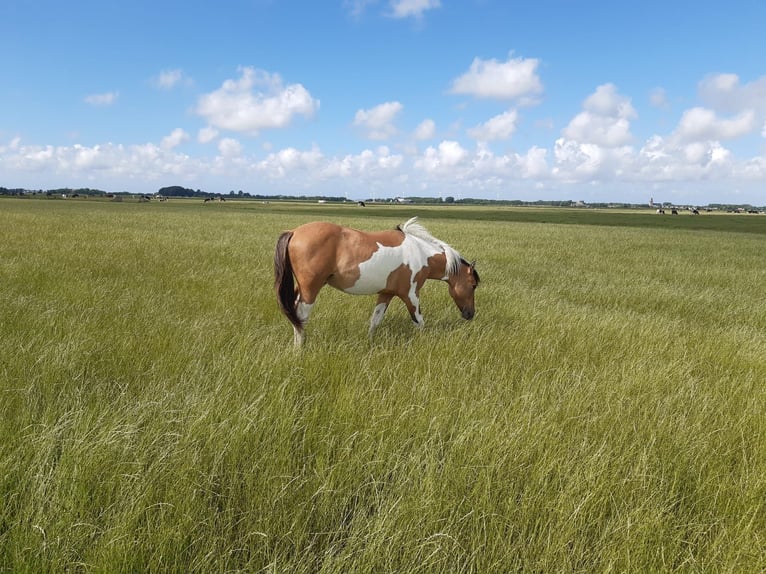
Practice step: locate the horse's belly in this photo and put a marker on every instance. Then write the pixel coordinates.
(367, 285)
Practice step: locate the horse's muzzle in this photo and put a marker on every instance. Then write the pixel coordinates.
(468, 313)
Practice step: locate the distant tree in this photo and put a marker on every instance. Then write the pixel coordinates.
(178, 191)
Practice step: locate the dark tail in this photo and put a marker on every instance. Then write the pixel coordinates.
(283, 280)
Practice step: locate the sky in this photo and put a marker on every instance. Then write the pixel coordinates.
(584, 100)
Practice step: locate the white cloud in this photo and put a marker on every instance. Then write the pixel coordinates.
(534, 164)
(207, 134)
(500, 127)
(257, 100)
(658, 98)
(378, 121)
(725, 93)
(106, 99)
(703, 124)
(516, 78)
(289, 160)
(425, 130)
(664, 159)
(606, 101)
(229, 147)
(600, 130)
(357, 7)
(168, 79)
(367, 164)
(447, 155)
(415, 8)
(176, 138)
(145, 162)
(604, 121)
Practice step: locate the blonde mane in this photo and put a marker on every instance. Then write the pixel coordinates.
(414, 228)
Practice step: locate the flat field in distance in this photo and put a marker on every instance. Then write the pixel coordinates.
(604, 412)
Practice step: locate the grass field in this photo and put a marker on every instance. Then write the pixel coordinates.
(604, 412)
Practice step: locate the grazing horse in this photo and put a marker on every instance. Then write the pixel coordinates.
(394, 263)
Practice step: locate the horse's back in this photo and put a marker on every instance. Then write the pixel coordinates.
(323, 251)
(340, 242)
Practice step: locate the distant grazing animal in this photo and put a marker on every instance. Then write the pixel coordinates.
(673, 212)
(393, 263)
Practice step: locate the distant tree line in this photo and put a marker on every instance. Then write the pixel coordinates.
(180, 191)
(68, 191)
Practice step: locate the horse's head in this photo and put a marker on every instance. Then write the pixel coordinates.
(462, 285)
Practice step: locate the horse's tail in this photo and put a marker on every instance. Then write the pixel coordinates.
(283, 280)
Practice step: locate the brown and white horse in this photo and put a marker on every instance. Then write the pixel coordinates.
(393, 263)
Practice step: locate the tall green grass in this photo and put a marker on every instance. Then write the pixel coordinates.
(604, 412)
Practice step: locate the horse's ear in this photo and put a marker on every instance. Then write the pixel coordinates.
(472, 264)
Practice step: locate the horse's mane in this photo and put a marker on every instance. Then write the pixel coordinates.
(414, 228)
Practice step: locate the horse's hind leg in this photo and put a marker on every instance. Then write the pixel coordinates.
(377, 314)
(304, 311)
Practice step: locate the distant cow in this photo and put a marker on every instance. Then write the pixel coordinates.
(661, 211)
(695, 212)
(674, 212)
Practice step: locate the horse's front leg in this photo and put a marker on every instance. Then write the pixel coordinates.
(412, 301)
(377, 314)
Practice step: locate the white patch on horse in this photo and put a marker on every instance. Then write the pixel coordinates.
(373, 273)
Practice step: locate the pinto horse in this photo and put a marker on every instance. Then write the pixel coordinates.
(393, 263)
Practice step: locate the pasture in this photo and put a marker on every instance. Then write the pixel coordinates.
(604, 412)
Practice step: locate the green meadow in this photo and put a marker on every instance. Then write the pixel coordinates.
(604, 412)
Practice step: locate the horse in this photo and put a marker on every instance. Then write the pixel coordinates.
(391, 263)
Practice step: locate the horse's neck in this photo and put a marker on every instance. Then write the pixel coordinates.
(437, 268)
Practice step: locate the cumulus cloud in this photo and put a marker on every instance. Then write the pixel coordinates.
(144, 162)
(500, 127)
(605, 119)
(168, 79)
(412, 8)
(257, 100)
(534, 164)
(704, 124)
(725, 93)
(516, 78)
(105, 99)
(176, 138)
(366, 164)
(229, 147)
(447, 155)
(207, 134)
(289, 160)
(378, 122)
(425, 130)
(669, 159)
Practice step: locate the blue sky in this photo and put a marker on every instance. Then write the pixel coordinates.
(582, 100)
